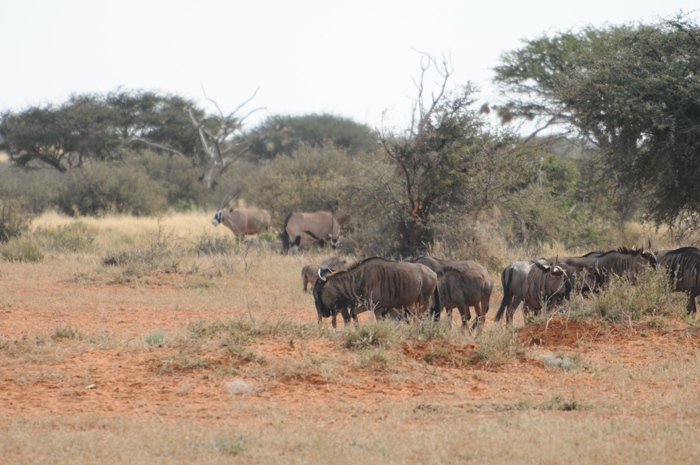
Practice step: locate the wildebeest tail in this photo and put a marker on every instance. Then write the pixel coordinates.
(506, 279)
(285, 234)
(437, 305)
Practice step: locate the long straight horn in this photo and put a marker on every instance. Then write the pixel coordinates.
(229, 197)
(649, 239)
(556, 260)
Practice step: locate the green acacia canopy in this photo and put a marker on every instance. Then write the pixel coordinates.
(634, 91)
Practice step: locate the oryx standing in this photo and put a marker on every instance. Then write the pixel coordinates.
(241, 220)
(319, 227)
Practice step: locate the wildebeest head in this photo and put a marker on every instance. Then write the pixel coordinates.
(648, 255)
(558, 272)
(588, 279)
(321, 307)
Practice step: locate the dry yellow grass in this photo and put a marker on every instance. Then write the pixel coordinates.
(187, 226)
(314, 400)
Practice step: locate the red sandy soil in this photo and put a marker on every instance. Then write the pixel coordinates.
(70, 379)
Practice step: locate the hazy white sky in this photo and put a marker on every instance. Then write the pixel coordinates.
(351, 58)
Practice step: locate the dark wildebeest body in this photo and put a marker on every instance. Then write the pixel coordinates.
(309, 274)
(464, 289)
(683, 268)
(437, 264)
(621, 261)
(375, 283)
(513, 279)
(242, 221)
(318, 226)
(441, 266)
(548, 284)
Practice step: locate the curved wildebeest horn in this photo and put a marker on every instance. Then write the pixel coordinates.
(320, 276)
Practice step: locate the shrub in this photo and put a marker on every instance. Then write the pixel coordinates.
(110, 187)
(373, 334)
(498, 345)
(34, 190)
(156, 337)
(14, 220)
(21, 249)
(622, 299)
(177, 176)
(210, 245)
(69, 238)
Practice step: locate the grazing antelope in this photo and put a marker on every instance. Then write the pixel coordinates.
(241, 220)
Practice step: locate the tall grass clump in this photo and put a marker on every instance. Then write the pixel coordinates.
(498, 345)
(21, 249)
(244, 331)
(384, 333)
(623, 299)
(72, 237)
(14, 220)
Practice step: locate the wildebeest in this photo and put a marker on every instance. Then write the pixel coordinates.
(375, 284)
(441, 266)
(437, 264)
(320, 226)
(513, 280)
(242, 220)
(620, 261)
(683, 267)
(545, 283)
(309, 273)
(464, 289)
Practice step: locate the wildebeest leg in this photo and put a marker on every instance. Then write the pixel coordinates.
(379, 313)
(361, 308)
(464, 313)
(512, 308)
(423, 305)
(481, 309)
(346, 315)
(333, 318)
(353, 315)
(691, 302)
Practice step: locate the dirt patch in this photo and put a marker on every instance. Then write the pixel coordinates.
(78, 346)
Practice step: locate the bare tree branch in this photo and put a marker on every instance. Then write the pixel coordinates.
(222, 143)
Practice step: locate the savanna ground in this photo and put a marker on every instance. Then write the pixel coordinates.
(142, 345)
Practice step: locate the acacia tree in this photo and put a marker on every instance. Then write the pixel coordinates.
(446, 159)
(634, 92)
(96, 127)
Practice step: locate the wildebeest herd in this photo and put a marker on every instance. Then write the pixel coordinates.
(403, 288)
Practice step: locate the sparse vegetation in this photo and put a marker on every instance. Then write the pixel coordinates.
(133, 331)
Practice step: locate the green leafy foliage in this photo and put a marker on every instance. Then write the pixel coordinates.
(313, 178)
(107, 187)
(286, 134)
(96, 127)
(631, 90)
(449, 163)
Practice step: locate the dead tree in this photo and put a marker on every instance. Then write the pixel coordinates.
(222, 139)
